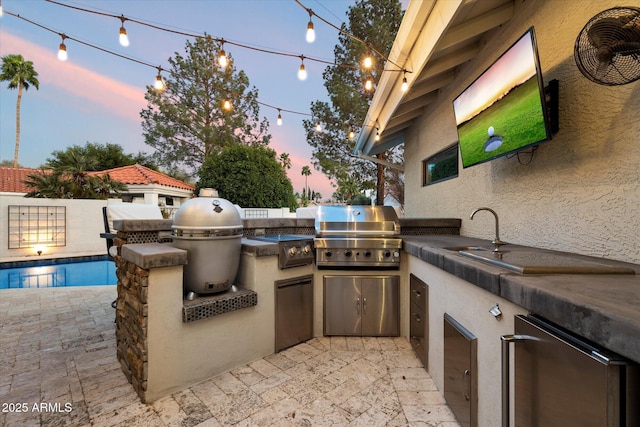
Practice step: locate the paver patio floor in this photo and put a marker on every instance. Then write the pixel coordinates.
(58, 367)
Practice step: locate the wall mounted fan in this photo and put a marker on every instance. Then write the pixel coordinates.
(607, 50)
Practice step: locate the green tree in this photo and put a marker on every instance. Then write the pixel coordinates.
(285, 160)
(107, 156)
(375, 22)
(249, 176)
(72, 179)
(186, 123)
(21, 75)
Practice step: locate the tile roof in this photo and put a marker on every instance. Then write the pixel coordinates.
(141, 175)
(11, 179)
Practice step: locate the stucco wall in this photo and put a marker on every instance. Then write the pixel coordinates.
(84, 225)
(581, 192)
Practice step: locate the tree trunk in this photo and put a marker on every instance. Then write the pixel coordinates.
(15, 153)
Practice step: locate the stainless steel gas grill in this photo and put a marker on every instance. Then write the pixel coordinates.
(357, 236)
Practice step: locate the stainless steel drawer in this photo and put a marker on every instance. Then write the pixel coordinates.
(418, 291)
(417, 330)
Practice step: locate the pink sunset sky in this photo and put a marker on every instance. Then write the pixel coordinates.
(97, 97)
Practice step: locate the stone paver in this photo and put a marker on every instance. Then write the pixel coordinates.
(58, 367)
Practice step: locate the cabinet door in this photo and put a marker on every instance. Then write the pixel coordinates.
(380, 313)
(460, 372)
(342, 305)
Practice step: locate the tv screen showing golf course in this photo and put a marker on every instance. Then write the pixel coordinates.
(503, 110)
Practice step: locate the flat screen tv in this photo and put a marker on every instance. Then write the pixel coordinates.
(503, 110)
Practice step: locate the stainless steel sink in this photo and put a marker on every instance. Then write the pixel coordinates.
(543, 262)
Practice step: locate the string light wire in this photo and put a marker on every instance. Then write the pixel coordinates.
(160, 69)
(222, 55)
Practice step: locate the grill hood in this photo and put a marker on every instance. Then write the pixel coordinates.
(356, 221)
(206, 217)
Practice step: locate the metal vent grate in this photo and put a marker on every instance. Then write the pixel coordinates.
(210, 306)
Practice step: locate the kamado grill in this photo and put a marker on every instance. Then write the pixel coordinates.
(357, 236)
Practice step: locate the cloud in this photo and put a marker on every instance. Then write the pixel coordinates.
(104, 92)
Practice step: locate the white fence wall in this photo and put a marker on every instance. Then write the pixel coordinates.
(83, 227)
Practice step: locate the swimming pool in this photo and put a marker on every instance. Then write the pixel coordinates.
(59, 273)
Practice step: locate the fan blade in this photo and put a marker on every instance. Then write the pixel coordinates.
(602, 70)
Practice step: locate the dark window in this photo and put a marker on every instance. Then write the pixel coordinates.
(441, 166)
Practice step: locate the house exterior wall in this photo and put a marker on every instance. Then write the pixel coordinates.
(581, 192)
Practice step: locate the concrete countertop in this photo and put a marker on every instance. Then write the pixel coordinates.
(600, 307)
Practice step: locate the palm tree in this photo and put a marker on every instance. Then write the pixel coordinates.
(21, 75)
(285, 160)
(306, 171)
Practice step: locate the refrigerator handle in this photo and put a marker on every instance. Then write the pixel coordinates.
(506, 340)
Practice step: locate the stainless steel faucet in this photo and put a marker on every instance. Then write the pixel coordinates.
(496, 242)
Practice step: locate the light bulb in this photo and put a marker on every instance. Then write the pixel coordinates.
(124, 40)
(302, 73)
(222, 58)
(405, 85)
(62, 52)
(367, 62)
(318, 127)
(159, 84)
(279, 121)
(226, 105)
(377, 136)
(352, 134)
(0, 8)
(311, 34)
(368, 85)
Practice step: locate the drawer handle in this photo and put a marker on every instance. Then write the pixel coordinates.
(467, 380)
(417, 316)
(417, 293)
(358, 306)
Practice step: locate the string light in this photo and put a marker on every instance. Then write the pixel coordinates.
(311, 34)
(405, 85)
(279, 120)
(0, 8)
(62, 51)
(226, 105)
(367, 62)
(302, 73)
(377, 134)
(222, 56)
(352, 133)
(159, 84)
(124, 40)
(368, 84)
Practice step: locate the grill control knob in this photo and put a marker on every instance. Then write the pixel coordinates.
(396, 254)
(367, 254)
(327, 254)
(306, 249)
(387, 254)
(293, 251)
(347, 253)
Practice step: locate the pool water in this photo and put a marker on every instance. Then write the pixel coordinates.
(86, 273)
